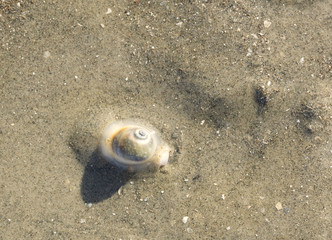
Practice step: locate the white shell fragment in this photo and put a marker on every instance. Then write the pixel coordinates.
(133, 146)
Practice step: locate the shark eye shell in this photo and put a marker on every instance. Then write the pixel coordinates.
(133, 146)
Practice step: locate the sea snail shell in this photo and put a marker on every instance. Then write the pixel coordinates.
(133, 146)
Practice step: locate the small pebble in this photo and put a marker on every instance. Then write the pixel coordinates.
(189, 230)
(228, 228)
(47, 54)
(185, 219)
(267, 24)
(249, 52)
(278, 206)
(109, 11)
(254, 36)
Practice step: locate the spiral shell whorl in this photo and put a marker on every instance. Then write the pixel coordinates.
(134, 143)
(133, 146)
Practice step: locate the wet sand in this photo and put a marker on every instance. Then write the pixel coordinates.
(240, 90)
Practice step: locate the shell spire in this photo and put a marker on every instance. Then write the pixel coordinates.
(133, 146)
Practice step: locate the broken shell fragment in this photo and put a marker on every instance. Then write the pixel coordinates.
(133, 146)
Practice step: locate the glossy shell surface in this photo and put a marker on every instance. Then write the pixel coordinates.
(133, 146)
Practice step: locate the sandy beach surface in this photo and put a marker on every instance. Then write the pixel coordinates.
(240, 90)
